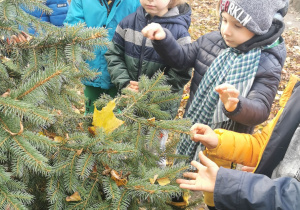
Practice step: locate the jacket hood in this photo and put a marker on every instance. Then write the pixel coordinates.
(180, 14)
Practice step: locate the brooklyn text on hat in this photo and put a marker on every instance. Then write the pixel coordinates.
(256, 15)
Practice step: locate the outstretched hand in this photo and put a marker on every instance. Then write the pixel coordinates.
(229, 96)
(204, 134)
(21, 37)
(205, 179)
(154, 31)
(133, 86)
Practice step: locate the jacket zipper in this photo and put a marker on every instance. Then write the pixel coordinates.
(106, 5)
(142, 55)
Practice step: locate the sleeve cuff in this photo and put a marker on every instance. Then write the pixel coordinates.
(235, 112)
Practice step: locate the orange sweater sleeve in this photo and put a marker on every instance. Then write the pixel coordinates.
(243, 148)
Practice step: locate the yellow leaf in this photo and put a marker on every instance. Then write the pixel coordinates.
(77, 111)
(106, 118)
(58, 138)
(118, 179)
(151, 119)
(152, 181)
(186, 97)
(163, 181)
(74, 197)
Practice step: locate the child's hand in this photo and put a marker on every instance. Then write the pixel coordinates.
(205, 179)
(154, 31)
(205, 135)
(229, 96)
(133, 86)
(248, 169)
(22, 37)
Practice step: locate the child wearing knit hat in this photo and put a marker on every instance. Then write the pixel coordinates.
(236, 70)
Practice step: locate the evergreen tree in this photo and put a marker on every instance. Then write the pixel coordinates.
(51, 156)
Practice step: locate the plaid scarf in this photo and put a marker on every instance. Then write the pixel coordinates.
(231, 67)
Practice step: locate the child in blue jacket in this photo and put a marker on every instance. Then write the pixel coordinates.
(99, 13)
(58, 15)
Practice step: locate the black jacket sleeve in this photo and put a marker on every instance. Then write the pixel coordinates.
(174, 54)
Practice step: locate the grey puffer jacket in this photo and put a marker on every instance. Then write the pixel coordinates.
(255, 108)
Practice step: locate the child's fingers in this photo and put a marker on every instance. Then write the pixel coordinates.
(149, 32)
(25, 34)
(14, 39)
(132, 89)
(185, 181)
(224, 87)
(197, 165)
(154, 31)
(248, 169)
(233, 100)
(22, 38)
(190, 175)
(135, 83)
(199, 128)
(188, 186)
(219, 89)
(233, 92)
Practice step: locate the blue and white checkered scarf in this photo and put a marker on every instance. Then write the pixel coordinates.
(231, 67)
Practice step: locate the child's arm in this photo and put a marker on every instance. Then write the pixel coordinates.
(75, 13)
(255, 108)
(179, 77)
(235, 189)
(229, 145)
(173, 54)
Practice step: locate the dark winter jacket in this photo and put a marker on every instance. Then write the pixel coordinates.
(96, 13)
(255, 108)
(243, 190)
(239, 190)
(132, 55)
(58, 15)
